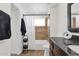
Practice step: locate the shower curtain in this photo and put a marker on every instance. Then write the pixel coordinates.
(30, 27)
(29, 21)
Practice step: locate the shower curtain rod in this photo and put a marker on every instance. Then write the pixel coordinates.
(35, 14)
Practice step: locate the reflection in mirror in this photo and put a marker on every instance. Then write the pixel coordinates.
(75, 17)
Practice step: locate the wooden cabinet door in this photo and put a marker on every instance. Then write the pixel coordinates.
(58, 52)
(51, 48)
(55, 50)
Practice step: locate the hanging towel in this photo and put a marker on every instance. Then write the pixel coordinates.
(23, 27)
(5, 26)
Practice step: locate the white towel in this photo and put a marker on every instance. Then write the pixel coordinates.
(67, 35)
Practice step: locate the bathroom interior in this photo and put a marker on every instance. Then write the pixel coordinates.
(39, 29)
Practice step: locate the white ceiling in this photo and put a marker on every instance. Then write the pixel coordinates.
(36, 8)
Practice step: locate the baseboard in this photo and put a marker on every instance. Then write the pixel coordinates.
(16, 54)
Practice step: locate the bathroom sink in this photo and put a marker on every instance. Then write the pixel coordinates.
(74, 48)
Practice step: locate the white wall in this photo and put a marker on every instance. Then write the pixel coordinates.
(60, 20)
(16, 39)
(5, 45)
(20, 8)
(14, 44)
(52, 21)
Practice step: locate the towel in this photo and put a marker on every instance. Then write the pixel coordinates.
(23, 27)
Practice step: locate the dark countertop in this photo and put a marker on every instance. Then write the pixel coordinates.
(63, 43)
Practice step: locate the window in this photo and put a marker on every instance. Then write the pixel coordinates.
(40, 21)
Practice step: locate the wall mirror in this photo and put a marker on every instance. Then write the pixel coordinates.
(73, 17)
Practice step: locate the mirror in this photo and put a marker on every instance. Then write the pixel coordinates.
(73, 17)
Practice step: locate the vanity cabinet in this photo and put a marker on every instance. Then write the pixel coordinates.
(58, 51)
(55, 50)
(51, 47)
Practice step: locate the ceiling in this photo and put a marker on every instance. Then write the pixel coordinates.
(36, 8)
